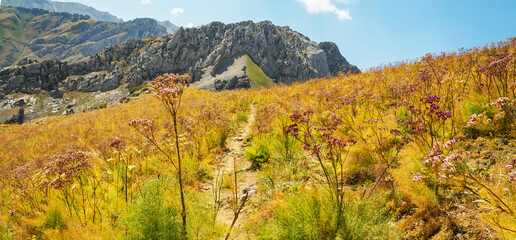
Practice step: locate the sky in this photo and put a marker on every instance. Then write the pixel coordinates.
(369, 33)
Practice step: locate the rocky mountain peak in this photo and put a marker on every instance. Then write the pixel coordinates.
(217, 56)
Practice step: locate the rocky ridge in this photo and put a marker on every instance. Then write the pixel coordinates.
(214, 56)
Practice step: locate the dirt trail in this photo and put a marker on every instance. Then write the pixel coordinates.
(247, 179)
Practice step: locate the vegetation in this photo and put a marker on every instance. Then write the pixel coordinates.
(21, 28)
(258, 78)
(421, 150)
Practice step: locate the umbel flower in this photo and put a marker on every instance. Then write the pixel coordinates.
(169, 89)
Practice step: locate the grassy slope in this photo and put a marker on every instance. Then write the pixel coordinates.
(372, 95)
(17, 32)
(258, 78)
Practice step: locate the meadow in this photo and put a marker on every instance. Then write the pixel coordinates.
(419, 150)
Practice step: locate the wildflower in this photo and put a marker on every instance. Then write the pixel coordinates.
(117, 143)
(431, 99)
(449, 143)
(418, 177)
(395, 132)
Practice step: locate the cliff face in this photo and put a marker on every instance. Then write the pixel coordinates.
(42, 35)
(217, 56)
(205, 53)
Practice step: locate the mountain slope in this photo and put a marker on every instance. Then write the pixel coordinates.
(204, 53)
(68, 7)
(217, 56)
(414, 154)
(171, 28)
(43, 35)
(75, 8)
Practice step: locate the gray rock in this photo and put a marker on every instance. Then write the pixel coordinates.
(17, 118)
(68, 111)
(56, 94)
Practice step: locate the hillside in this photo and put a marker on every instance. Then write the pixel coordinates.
(217, 56)
(42, 35)
(422, 150)
(75, 8)
(66, 7)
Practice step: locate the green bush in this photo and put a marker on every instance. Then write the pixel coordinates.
(102, 105)
(139, 88)
(259, 153)
(309, 216)
(151, 217)
(54, 220)
(6, 232)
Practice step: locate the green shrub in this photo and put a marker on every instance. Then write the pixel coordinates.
(241, 117)
(6, 232)
(151, 217)
(100, 106)
(308, 216)
(139, 88)
(259, 153)
(221, 140)
(54, 220)
(287, 148)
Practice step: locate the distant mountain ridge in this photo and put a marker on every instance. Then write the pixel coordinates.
(75, 8)
(42, 35)
(69, 7)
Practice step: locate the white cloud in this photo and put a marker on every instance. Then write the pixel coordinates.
(323, 6)
(177, 11)
(343, 14)
(146, 1)
(190, 25)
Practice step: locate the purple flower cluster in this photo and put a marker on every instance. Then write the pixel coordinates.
(443, 115)
(473, 119)
(431, 99)
(64, 169)
(292, 130)
(497, 66)
(319, 138)
(144, 126)
(440, 163)
(414, 126)
(501, 102)
(418, 177)
(169, 89)
(511, 171)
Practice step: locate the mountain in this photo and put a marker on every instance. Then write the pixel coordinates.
(75, 8)
(78, 8)
(171, 28)
(217, 56)
(68, 7)
(43, 35)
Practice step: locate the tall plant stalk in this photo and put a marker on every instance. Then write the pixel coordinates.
(169, 89)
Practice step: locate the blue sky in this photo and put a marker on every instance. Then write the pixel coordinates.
(368, 32)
